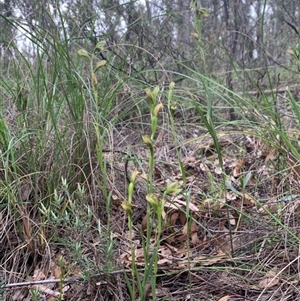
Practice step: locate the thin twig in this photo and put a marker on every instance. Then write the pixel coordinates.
(30, 283)
(68, 280)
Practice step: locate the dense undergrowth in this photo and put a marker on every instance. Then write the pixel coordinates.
(112, 189)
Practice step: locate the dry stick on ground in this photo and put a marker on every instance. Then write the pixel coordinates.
(68, 280)
(47, 281)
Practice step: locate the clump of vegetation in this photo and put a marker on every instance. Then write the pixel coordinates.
(134, 172)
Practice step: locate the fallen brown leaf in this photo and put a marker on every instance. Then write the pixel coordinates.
(269, 280)
(225, 298)
(177, 203)
(237, 169)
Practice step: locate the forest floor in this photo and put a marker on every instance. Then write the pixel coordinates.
(230, 235)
